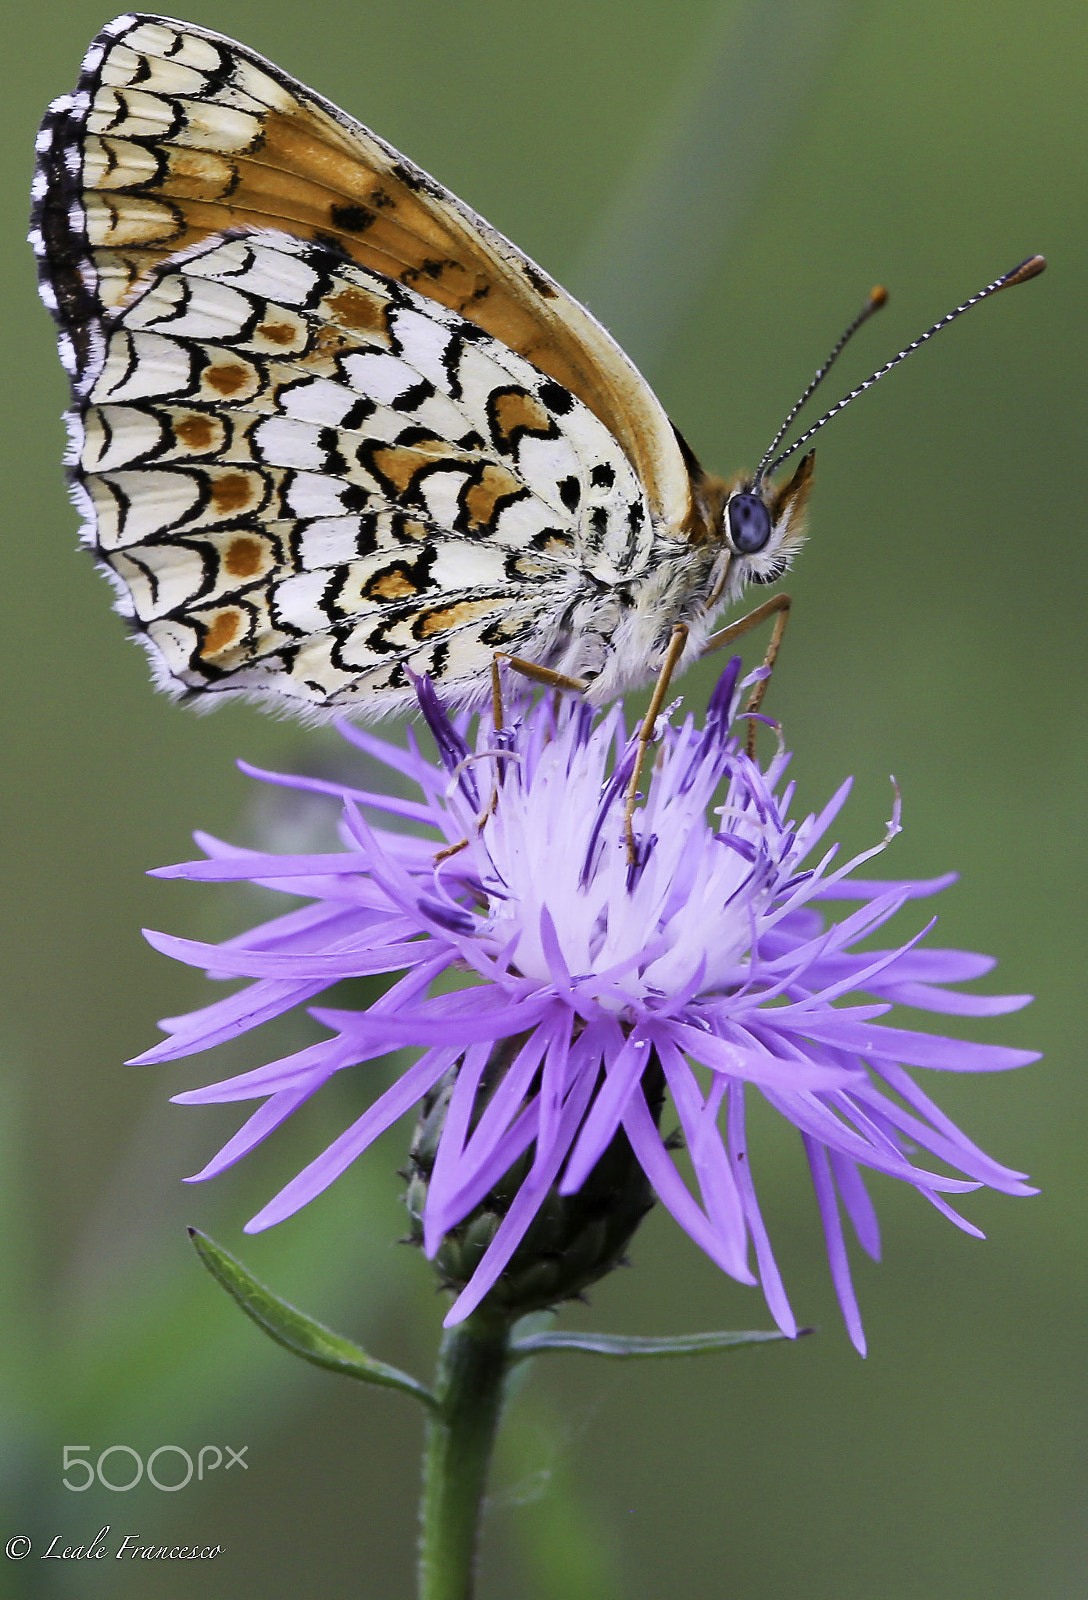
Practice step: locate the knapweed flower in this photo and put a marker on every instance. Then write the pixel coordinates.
(709, 965)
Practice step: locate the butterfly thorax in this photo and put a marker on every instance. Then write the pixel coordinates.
(687, 578)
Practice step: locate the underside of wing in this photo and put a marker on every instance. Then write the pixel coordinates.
(175, 134)
(308, 480)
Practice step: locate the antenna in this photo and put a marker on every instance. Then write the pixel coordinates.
(1030, 268)
(877, 297)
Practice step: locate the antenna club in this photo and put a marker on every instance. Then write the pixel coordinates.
(1030, 268)
(878, 296)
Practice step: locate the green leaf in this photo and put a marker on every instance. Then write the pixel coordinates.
(297, 1332)
(623, 1348)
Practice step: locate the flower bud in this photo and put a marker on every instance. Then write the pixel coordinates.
(572, 1241)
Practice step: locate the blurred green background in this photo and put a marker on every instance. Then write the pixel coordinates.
(723, 183)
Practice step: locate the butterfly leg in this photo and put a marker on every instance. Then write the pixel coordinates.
(646, 732)
(497, 723)
(493, 799)
(450, 850)
(778, 606)
(538, 674)
(496, 696)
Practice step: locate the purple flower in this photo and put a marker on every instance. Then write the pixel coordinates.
(708, 956)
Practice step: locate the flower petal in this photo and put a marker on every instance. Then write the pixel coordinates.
(770, 1278)
(824, 1186)
(902, 1046)
(315, 1178)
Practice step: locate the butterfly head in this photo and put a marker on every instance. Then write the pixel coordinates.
(763, 525)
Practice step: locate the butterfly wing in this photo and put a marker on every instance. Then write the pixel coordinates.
(175, 133)
(308, 479)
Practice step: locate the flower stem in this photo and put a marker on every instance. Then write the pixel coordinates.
(469, 1381)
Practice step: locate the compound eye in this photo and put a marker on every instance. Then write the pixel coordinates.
(749, 524)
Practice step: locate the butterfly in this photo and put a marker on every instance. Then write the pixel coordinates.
(329, 428)
(331, 431)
